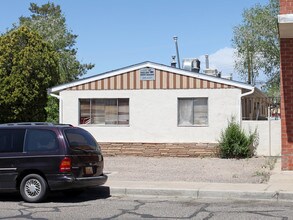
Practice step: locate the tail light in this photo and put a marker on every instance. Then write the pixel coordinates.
(65, 165)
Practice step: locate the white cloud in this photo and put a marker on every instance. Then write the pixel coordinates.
(222, 60)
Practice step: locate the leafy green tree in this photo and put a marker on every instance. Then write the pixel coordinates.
(50, 23)
(52, 110)
(256, 41)
(28, 66)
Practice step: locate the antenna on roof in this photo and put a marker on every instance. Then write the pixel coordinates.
(176, 44)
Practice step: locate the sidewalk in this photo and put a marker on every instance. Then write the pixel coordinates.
(279, 187)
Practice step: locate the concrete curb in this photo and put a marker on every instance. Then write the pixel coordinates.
(287, 196)
(202, 194)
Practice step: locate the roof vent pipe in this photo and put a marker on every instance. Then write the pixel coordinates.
(207, 61)
(177, 51)
(173, 62)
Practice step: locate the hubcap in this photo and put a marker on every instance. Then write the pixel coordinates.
(32, 188)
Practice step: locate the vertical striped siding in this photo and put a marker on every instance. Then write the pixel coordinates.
(163, 80)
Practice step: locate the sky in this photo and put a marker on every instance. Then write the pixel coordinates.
(113, 34)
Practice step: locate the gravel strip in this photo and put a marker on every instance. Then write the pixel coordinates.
(252, 170)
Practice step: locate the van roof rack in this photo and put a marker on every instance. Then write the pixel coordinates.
(28, 123)
(34, 123)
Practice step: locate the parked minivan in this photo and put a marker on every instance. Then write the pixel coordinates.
(36, 158)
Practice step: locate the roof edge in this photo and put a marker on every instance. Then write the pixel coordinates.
(57, 89)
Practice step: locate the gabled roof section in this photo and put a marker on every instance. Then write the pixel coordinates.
(156, 66)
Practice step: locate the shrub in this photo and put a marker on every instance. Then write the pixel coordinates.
(235, 143)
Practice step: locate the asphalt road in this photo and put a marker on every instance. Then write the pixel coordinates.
(97, 205)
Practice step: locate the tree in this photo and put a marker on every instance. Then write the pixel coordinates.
(28, 66)
(50, 23)
(256, 41)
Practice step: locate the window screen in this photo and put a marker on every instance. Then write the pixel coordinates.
(193, 112)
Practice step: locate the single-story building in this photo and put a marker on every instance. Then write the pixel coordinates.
(150, 109)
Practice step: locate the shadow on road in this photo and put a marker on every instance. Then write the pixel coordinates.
(101, 192)
(10, 197)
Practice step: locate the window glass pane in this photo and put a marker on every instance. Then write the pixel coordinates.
(84, 111)
(17, 140)
(200, 111)
(98, 111)
(123, 111)
(185, 114)
(111, 111)
(80, 139)
(104, 111)
(11, 140)
(193, 111)
(41, 140)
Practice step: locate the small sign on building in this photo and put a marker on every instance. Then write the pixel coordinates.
(147, 74)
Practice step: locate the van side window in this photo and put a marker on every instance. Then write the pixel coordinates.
(11, 140)
(41, 140)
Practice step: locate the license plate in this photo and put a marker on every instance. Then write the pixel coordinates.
(88, 170)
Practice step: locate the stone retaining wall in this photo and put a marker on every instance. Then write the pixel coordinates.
(160, 149)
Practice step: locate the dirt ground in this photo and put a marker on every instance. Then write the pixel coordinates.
(252, 170)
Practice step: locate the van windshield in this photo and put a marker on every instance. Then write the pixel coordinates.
(80, 139)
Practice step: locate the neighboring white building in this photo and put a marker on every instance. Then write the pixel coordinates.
(151, 109)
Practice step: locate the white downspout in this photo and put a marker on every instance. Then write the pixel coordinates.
(60, 106)
(240, 109)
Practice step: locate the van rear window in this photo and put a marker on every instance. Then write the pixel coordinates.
(80, 139)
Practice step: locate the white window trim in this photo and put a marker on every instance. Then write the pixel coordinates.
(102, 125)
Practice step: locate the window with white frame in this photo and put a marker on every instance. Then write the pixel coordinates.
(104, 111)
(192, 111)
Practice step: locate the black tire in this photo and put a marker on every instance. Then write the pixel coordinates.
(33, 188)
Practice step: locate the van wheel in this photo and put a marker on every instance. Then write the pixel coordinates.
(33, 188)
